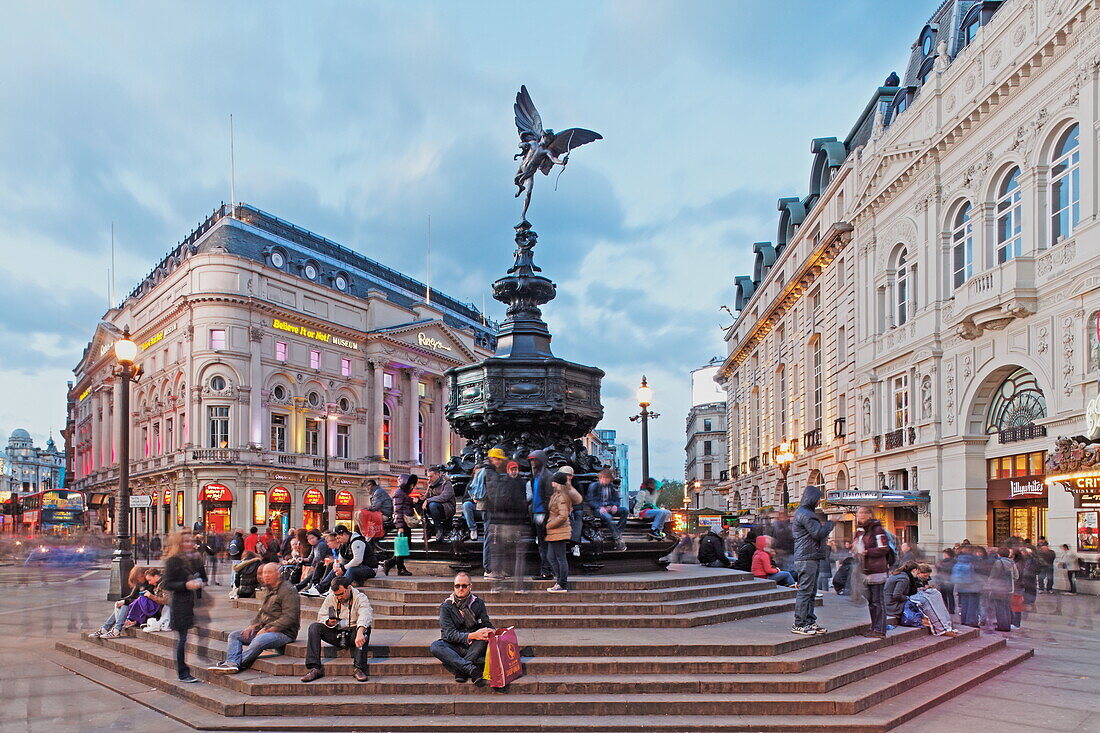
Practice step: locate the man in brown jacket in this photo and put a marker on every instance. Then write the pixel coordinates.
(275, 625)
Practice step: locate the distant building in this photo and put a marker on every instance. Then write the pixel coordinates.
(31, 469)
(706, 439)
(618, 457)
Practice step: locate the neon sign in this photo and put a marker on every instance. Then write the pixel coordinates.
(316, 335)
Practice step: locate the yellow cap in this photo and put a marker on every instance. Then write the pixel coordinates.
(497, 453)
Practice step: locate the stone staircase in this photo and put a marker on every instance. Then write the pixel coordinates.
(645, 652)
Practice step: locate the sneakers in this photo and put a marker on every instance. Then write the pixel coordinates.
(817, 629)
(556, 588)
(224, 668)
(233, 594)
(654, 535)
(620, 546)
(473, 534)
(361, 676)
(310, 592)
(803, 630)
(819, 595)
(97, 633)
(489, 576)
(576, 550)
(188, 679)
(112, 634)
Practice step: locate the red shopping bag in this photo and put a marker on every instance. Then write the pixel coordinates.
(370, 524)
(502, 661)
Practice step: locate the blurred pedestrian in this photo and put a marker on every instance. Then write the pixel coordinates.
(1045, 558)
(558, 528)
(506, 497)
(402, 511)
(185, 577)
(809, 533)
(942, 578)
(871, 548)
(1072, 565)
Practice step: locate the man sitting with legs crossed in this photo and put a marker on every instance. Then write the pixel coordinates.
(464, 630)
(275, 625)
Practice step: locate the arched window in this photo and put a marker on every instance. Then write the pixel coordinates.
(387, 431)
(962, 247)
(1009, 209)
(1065, 186)
(841, 480)
(901, 289)
(1018, 401)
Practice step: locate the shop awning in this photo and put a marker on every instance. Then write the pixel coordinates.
(876, 497)
(215, 492)
(313, 497)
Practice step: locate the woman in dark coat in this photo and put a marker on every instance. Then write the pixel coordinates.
(402, 508)
(184, 576)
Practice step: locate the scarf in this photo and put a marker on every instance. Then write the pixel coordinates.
(464, 609)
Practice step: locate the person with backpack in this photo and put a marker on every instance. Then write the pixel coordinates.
(871, 546)
(745, 551)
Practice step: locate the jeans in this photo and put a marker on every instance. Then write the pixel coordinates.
(243, 656)
(182, 670)
(614, 521)
(660, 518)
(876, 606)
(576, 523)
(823, 577)
(438, 514)
(469, 513)
(318, 632)
(117, 618)
(782, 577)
(359, 573)
(313, 578)
(1046, 578)
(466, 661)
(486, 544)
(1003, 611)
(806, 572)
(540, 543)
(970, 605)
(559, 564)
(1071, 576)
(509, 551)
(947, 590)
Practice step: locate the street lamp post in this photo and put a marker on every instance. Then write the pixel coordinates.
(783, 459)
(122, 561)
(330, 499)
(645, 399)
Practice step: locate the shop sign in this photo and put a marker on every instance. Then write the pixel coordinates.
(1021, 487)
(279, 495)
(259, 506)
(313, 497)
(714, 522)
(215, 492)
(344, 498)
(156, 338)
(167, 497)
(179, 508)
(141, 502)
(314, 334)
(434, 344)
(282, 477)
(874, 497)
(315, 479)
(84, 394)
(1077, 483)
(1088, 501)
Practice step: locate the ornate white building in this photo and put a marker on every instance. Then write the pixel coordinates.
(261, 344)
(705, 449)
(925, 324)
(31, 469)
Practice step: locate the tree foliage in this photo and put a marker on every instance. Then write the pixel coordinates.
(671, 494)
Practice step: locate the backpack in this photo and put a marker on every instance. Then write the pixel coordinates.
(261, 547)
(892, 545)
(962, 573)
(235, 548)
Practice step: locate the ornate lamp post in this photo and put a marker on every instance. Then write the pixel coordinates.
(645, 399)
(783, 459)
(122, 561)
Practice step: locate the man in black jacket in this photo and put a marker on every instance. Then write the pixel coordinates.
(745, 552)
(464, 630)
(809, 536)
(712, 551)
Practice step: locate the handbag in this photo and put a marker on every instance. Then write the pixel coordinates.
(400, 546)
(503, 662)
(1016, 602)
(911, 615)
(370, 522)
(413, 520)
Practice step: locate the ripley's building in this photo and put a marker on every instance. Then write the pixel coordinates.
(924, 325)
(261, 345)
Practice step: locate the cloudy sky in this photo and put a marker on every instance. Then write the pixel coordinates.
(358, 120)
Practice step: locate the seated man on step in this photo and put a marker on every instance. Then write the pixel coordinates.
(344, 621)
(464, 633)
(275, 625)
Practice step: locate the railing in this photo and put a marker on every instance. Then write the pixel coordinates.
(170, 458)
(840, 427)
(1022, 432)
(812, 439)
(216, 455)
(982, 283)
(744, 468)
(285, 460)
(725, 475)
(895, 438)
(877, 440)
(318, 462)
(754, 463)
(351, 465)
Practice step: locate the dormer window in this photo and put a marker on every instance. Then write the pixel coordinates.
(926, 44)
(340, 282)
(310, 270)
(278, 259)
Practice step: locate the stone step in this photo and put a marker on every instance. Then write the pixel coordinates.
(647, 581)
(378, 594)
(848, 700)
(384, 664)
(202, 706)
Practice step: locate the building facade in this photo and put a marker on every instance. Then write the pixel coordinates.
(925, 324)
(32, 469)
(270, 354)
(604, 445)
(706, 428)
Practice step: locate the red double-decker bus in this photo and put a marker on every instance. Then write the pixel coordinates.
(56, 512)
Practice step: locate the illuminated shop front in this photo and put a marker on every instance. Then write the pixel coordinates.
(217, 506)
(1084, 485)
(897, 510)
(345, 506)
(313, 509)
(1016, 494)
(278, 514)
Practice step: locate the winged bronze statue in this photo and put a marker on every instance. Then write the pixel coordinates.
(541, 149)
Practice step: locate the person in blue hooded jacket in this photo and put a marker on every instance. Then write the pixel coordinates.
(809, 534)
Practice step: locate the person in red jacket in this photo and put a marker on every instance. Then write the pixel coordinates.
(762, 565)
(871, 547)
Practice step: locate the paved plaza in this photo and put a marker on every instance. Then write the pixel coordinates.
(1051, 691)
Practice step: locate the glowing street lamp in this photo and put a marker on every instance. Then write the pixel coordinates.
(122, 560)
(783, 459)
(645, 399)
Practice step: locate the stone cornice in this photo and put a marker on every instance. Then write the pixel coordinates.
(834, 240)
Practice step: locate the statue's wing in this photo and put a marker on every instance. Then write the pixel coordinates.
(528, 120)
(574, 137)
(567, 140)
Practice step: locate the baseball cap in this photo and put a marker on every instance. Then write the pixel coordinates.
(566, 469)
(497, 453)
